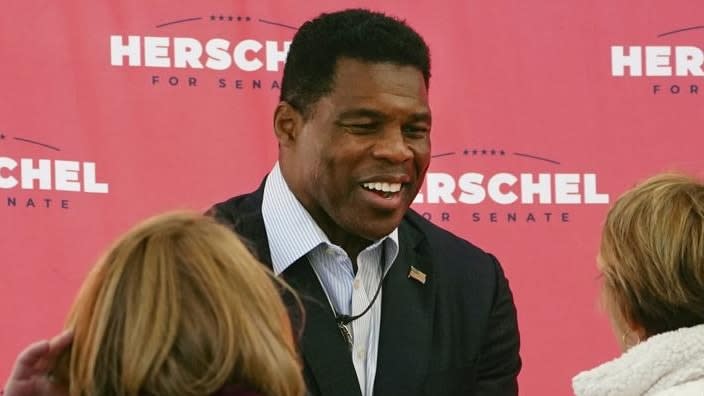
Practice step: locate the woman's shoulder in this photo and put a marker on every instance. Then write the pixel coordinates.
(691, 388)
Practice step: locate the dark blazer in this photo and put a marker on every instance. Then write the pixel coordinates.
(454, 335)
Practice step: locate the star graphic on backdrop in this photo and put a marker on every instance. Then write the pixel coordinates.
(222, 17)
(212, 17)
(483, 152)
(466, 151)
(230, 18)
(502, 152)
(493, 152)
(2, 136)
(474, 152)
(247, 18)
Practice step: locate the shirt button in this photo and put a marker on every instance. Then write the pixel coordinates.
(357, 283)
(360, 354)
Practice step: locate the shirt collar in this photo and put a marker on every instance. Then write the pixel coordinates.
(285, 217)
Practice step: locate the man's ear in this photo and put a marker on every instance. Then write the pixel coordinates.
(287, 123)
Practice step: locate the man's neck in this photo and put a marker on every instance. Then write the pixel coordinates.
(351, 244)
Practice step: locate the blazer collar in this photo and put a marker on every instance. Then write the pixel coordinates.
(407, 314)
(328, 361)
(406, 325)
(323, 348)
(407, 317)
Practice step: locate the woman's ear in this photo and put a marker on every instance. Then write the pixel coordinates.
(287, 122)
(637, 329)
(633, 332)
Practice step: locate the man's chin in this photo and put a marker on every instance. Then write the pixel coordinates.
(375, 230)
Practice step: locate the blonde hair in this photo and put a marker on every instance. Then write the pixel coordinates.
(178, 306)
(652, 250)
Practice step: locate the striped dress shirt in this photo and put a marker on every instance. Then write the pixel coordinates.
(292, 233)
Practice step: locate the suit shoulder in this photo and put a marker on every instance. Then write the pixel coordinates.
(443, 240)
(232, 204)
(237, 207)
(458, 265)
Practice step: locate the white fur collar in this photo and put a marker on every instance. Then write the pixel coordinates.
(661, 362)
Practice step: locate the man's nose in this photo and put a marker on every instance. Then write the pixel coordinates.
(392, 146)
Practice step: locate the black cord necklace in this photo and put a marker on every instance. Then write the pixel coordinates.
(343, 320)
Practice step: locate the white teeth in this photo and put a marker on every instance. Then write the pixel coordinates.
(383, 187)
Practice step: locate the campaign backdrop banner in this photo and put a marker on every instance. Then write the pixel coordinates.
(544, 113)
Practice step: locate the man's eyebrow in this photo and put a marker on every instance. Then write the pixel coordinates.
(421, 117)
(362, 113)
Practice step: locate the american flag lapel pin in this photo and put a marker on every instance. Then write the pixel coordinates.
(417, 274)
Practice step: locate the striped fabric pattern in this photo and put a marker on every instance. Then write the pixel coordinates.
(292, 233)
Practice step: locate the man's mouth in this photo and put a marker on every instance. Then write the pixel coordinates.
(386, 190)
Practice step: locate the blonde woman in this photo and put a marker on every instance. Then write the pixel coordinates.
(652, 262)
(177, 306)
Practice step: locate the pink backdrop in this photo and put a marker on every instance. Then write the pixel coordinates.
(535, 131)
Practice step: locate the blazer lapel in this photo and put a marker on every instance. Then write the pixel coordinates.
(324, 349)
(407, 314)
(328, 361)
(407, 318)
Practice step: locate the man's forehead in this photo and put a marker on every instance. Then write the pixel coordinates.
(345, 59)
(346, 67)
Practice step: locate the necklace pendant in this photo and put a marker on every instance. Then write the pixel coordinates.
(346, 335)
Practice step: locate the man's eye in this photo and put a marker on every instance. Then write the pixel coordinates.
(361, 128)
(416, 130)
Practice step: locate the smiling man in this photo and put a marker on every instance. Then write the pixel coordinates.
(357, 160)
(393, 304)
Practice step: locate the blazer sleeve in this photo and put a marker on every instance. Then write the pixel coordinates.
(499, 359)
